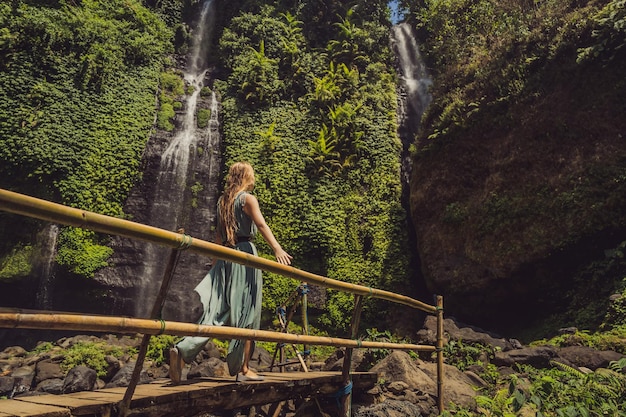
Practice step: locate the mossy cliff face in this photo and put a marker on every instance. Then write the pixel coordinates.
(510, 207)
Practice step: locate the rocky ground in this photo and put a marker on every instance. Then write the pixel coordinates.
(407, 382)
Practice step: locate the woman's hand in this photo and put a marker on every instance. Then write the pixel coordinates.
(283, 257)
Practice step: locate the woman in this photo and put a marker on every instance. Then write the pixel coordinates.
(230, 292)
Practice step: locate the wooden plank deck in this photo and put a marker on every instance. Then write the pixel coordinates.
(162, 399)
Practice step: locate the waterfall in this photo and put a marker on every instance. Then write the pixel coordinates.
(170, 205)
(413, 73)
(179, 188)
(414, 88)
(44, 267)
(413, 99)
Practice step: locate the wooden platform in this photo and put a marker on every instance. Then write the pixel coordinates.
(162, 399)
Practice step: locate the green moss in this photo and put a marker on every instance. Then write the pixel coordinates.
(203, 118)
(164, 117)
(16, 264)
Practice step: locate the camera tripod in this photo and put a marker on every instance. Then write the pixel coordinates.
(299, 296)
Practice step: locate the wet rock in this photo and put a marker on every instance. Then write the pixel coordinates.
(24, 377)
(46, 369)
(457, 331)
(51, 386)
(213, 367)
(6, 386)
(390, 408)
(79, 378)
(536, 356)
(123, 376)
(113, 367)
(588, 357)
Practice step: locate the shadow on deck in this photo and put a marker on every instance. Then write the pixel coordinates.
(160, 398)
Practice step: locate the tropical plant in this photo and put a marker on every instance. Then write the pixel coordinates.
(322, 158)
(268, 139)
(259, 75)
(609, 34)
(346, 49)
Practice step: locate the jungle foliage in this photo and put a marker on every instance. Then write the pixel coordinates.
(527, 85)
(316, 118)
(77, 87)
(310, 102)
(559, 390)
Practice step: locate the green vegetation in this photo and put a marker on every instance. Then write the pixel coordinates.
(203, 118)
(172, 87)
(16, 263)
(77, 87)
(317, 122)
(527, 138)
(558, 391)
(91, 355)
(159, 346)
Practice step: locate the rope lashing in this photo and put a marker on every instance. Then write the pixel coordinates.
(345, 390)
(281, 311)
(162, 326)
(303, 289)
(186, 242)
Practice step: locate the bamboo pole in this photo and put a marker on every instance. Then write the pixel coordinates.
(346, 399)
(57, 213)
(304, 307)
(157, 307)
(37, 319)
(440, 344)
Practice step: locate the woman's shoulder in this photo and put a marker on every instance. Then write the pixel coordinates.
(245, 196)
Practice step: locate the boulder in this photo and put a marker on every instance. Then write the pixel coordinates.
(389, 408)
(465, 333)
(536, 356)
(46, 369)
(79, 378)
(399, 366)
(458, 387)
(123, 376)
(24, 377)
(51, 386)
(6, 386)
(213, 367)
(588, 357)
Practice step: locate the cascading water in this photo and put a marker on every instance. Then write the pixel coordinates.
(414, 87)
(168, 206)
(179, 189)
(413, 99)
(44, 267)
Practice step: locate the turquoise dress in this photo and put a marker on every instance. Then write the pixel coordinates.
(230, 294)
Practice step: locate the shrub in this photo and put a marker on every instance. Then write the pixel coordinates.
(91, 355)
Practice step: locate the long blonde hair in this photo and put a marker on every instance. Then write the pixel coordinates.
(240, 178)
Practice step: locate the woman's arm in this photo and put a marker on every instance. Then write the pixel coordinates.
(251, 208)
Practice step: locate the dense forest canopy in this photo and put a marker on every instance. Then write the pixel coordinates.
(309, 95)
(519, 168)
(313, 110)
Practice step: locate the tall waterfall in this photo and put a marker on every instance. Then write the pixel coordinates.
(179, 190)
(413, 99)
(414, 87)
(169, 204)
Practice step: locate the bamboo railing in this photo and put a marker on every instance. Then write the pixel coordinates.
(45, 210)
